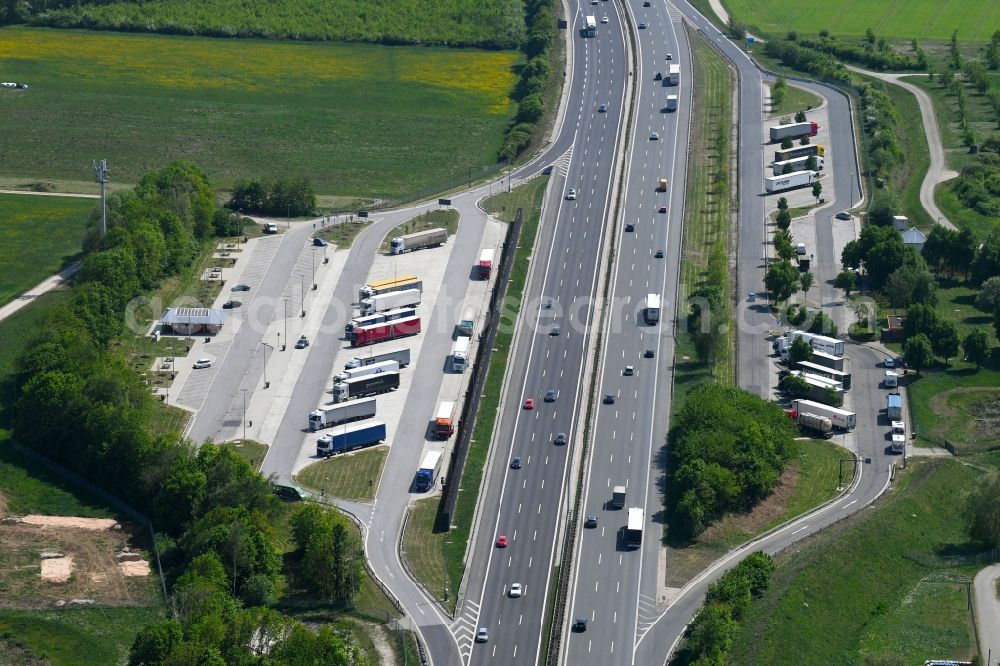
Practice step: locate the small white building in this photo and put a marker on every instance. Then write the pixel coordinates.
(915, 238)
(901, 222)
(192, 321)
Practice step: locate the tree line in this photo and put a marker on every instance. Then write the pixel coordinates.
(276, 196)
(726, 451)
(540, 22)
(81, 405)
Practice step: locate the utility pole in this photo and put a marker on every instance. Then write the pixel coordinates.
(286, 325)
(101, 176)
(302, 293)
(244, 414)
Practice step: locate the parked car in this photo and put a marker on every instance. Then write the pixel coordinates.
(240, 287)
(302, 342)
(202, 363)
(752, 296)
(843, 215)
(319, 242)
(889, 362)
(231, 304)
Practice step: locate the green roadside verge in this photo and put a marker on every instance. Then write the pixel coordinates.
(352, 476)
(435, 556)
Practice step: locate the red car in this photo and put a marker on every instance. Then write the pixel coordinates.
(529, 403)
(501, 541)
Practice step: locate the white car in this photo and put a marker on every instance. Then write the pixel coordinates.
(654, 136)
(515, 590)
(202, 363)
(604, 19)
(571, 195)
(483, 635)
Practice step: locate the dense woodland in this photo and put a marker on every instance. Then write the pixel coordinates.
(81, 405)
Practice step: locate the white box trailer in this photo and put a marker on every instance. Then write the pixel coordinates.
(370, 369)
(797, 164)
(401, 356)
(460, 355)
(673, 75)
(817, 342)
(390, 301)
(651, 309)
(331, 415)
(421, 239)
(840, 418)
(790, 181)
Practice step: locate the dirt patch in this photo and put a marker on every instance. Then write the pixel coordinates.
(57, 569)
(3, 505)
(380, 639)
(70, 521)
(685, 563)
(47, 564)
(968, 420)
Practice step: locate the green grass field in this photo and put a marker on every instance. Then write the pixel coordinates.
(41, 236)
(796, 99)
(453, 22)
(352, 476)
(354, 118)
(812, 480)
(30, 488)
(853, 595)
(975, 20)
(251, 451)
(423, 550)
(706, 215)
(62, 637)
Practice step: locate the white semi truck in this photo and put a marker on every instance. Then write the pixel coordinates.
(331, 415)
(394, 299)
(651, 309)
(671, 102)
(790, 181)
(370, 369)
(460, 355)
(841, 419)
(402, 356)
(419, 240)
(797, 164)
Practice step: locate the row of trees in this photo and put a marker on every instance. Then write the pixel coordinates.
(711, 633)
(727, 449)
(708, 312)
(276, 196)
(879, 123)
(873, 53)
(540, 22)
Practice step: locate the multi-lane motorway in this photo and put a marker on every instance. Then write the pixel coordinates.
(527, 505)
(613, 585)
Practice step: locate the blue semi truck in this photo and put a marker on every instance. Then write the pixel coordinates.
(349, 438)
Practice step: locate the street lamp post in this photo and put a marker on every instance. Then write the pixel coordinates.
(267, 384)
(313, 257)
(244, 413)
(302, 293)
(286, 325)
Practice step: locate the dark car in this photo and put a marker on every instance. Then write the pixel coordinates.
(302, 343)
(319, 242)
(649, 353)
(590, 522)
(658, 77)
(229, 305)
(603, 108)
(516, 463)
(550, 396)
(560, 438)
(240, 287)
(629, 227)
(609, 399)
(580, 625)
(659, 254)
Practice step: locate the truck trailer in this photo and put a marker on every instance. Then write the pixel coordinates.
(331, 415)
(673, 76)
(418, 241)
(428, 472)
(633, 529)
(370, 369)
(389, 330)
(796, 164)
(790, 181)
(841, 419)
(485, 265)
(378, 318)
(392, 300)
(590, 26)
(894, 406)
(445, 419)
(799, 151)
(362, 387)
(401, 356)
(651, 309)
(349, 438)
(817, 342)
(460, 355)
(794, 130)
(618, 497)
(386, 286)
(813, 423)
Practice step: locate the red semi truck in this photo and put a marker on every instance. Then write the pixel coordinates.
(485, 264)
(388, 330)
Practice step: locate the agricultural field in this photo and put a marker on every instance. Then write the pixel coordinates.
(497, 24)
(354, 118)
(975, 20)
(41, 235)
